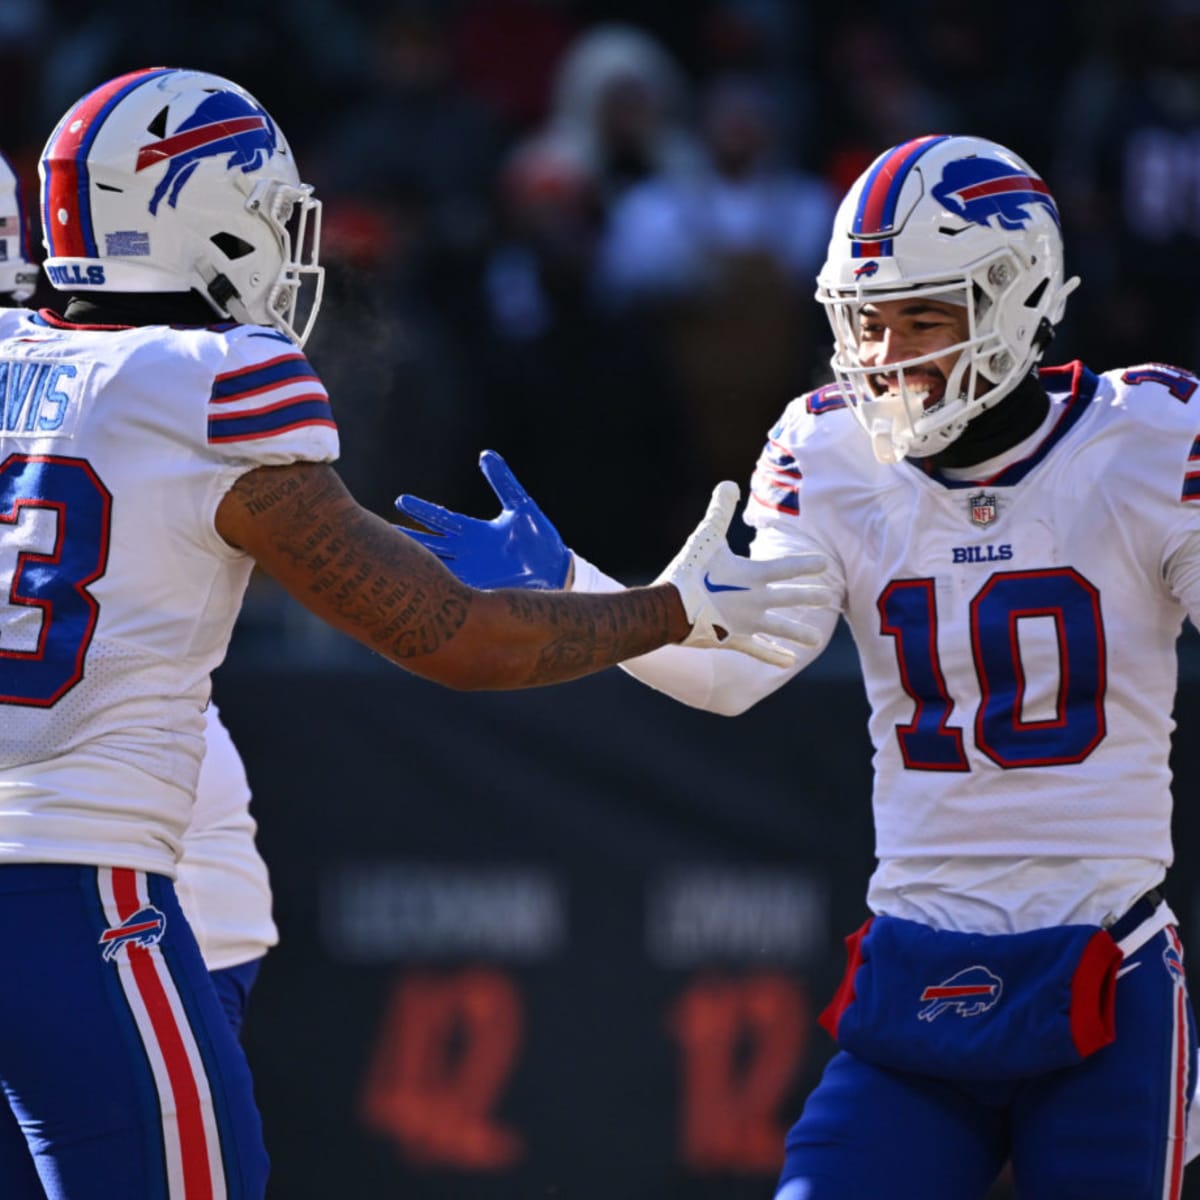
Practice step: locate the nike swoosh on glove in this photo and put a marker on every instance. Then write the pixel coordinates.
(733, 602)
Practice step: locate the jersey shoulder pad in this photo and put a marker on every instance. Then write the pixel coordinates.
(815, 427)
(1159, 404)
(1151, 386)
(823, 400)
(820, 414)
(14, 321)
(1160, 401)
(267, 403)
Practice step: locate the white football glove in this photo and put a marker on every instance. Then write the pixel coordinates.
(730, 600)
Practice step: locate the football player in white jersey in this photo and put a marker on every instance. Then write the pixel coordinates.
(1015, 549)
(18, 272)
(160, 436)
(221, 879)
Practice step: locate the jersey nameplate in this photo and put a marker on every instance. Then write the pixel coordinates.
(40, 397)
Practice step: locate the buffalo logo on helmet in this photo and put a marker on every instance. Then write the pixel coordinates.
(144, 928)
(868, 269)
(224, 123)
(969, 992)
(978, 189)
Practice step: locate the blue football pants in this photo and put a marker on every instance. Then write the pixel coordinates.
(233, 986)
(121, 1074)
(1111, 1128)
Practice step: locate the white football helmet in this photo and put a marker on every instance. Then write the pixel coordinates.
(165, 180)
(18, 272)
(967, 221)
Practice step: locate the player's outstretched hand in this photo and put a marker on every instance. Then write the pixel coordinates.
(520, 548)
(734, 602)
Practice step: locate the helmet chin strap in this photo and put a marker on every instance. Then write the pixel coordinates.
(222, 292)
(886, 424)
(218, 289)
(884, 444)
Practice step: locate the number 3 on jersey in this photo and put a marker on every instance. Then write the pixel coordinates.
(908, 614)
(54, 534)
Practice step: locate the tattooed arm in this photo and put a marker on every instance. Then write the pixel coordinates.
(352, 569)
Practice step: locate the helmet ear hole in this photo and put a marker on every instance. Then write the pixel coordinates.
(981, 301)
(232, 246)
(1035, 297)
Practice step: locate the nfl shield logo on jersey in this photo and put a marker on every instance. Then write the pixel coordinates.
(982, 507)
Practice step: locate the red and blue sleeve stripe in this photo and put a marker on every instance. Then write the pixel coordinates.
(825, 399)
(777, 478)
(66, 203)
(1191, 481)
(289, 392)
(271, 419)
(262, 377)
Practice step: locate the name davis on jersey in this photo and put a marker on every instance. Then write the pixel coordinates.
(40, 397)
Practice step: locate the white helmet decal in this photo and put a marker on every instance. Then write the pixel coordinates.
(959, 219)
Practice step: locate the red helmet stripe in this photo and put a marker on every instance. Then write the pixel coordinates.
(1009, 183)
(66, 204)
(877, 202)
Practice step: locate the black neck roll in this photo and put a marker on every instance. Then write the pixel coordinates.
(997, 429)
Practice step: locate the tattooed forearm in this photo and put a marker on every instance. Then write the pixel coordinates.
(592, 631)
(358, 574)
(402, 603)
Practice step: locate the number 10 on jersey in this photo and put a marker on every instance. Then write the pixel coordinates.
(908, 614)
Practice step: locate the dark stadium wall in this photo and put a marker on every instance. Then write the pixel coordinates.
(566, 943)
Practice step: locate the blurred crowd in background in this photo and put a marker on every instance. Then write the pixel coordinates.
(585, 234)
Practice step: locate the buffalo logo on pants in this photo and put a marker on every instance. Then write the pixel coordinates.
(969, 992)
(145, 928)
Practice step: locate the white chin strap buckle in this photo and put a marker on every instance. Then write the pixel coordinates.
(886, 450)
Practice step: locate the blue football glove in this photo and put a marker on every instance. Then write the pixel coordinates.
(520, 548)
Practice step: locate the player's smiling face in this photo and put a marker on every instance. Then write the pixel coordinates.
(898, 331)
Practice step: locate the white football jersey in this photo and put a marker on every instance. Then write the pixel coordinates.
(222, 880)
(117, 595)
(1017, 634)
